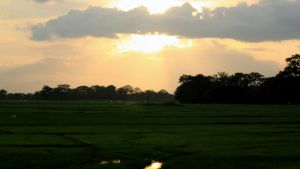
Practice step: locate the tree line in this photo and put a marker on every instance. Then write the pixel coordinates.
(243, 88)
(108, 93)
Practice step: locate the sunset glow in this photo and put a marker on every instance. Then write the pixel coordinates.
(50, 41)
(150, 43)
(148, 84)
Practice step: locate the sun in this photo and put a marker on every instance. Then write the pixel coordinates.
(150, 43)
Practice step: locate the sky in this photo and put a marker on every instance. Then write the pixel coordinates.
(143, 43)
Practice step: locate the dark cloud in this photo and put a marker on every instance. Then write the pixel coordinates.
(269, 20)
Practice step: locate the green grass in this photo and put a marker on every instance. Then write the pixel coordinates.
(78, 135)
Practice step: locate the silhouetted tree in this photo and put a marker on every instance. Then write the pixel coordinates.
(3, 94)
(255, 79)
(284, 87)
(242, 87)
(104, 93)
(109, 93)
(62, 92)
(124, 92)
(164, 96)
(46, 93)
(293, 67)
(16, 96)
(194, 89)
(83, 92)
(150, 95)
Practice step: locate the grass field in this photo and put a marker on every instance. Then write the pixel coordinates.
(90, 135)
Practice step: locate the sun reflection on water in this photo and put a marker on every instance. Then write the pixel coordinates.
(154, 165)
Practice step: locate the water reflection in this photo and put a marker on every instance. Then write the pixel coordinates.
(116, 162)
(155, 165)
(103, 162)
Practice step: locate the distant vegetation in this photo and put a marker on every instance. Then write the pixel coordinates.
(109, 93)
(252, 88)
(284, 88)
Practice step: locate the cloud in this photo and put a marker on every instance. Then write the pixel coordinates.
(29, 76)
(41, 67)
(41, 1)
(269, 20)
(255, 49)
(218, 58)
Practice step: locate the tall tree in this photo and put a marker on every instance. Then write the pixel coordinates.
(293, 67)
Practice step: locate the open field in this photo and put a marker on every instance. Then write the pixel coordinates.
(89, 135)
